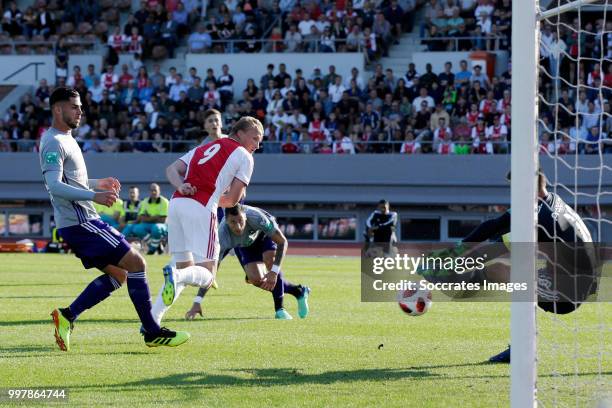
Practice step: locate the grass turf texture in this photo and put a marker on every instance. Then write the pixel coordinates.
(240, 356)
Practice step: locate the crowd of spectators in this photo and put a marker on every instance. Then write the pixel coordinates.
(576, 86)
(367, 26)
(79, 24)
(156, 28)
(457, 111)
(466, 25)
(303, 26)
(460, 110)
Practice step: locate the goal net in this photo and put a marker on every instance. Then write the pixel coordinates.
(570, 355)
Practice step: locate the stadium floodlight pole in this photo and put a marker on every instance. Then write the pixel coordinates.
(524, 161)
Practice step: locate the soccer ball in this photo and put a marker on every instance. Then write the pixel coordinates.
(414, 302)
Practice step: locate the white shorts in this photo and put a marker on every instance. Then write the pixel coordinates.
(192, 231)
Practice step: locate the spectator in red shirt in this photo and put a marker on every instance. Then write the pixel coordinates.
(607, 82)
(410, 146)
(109, 78)
(125, 77)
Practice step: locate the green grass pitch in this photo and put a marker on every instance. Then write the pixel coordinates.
(240, 356)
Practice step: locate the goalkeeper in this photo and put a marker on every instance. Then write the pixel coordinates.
(570, 273)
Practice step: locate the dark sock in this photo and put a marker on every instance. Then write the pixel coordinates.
(67, 314)
(278, 292)
(290, 288)
(98, 290)
(278, 303)
(203, 291)
(141, 298)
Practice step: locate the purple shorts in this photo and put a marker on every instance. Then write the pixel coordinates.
(254, 252)
(95, 243)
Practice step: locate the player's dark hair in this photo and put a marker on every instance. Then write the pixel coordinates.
(385, 202)
(235, 210)
(62, 94)
(542, 180)
(211, 112)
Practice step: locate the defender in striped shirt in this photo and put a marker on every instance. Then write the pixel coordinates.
(97, 244)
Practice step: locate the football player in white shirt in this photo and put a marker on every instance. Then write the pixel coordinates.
(211, 175)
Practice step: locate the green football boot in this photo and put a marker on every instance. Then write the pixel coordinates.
(281, 314)
(63, 327)
(303, 308)
(169, 289)
(166, 338)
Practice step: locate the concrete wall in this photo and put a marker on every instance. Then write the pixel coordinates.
(44, 68)
(406, 180)
(14, 97)
(245, 66)
(30, 76)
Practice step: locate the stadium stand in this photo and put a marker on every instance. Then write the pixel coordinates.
(140, 96)
(136, 106)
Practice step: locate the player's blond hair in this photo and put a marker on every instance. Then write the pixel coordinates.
(245, 123)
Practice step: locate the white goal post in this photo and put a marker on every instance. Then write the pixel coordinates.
(524, 165)
(526, 17)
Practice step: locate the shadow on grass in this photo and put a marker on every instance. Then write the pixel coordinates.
(79, 323)
(122, 321)
(37, 284)
(433, 367)
(121, 353)
(215, 319)
(37, 297)
(37, 351)
(7, 351)
(265, 377)
(269, 377)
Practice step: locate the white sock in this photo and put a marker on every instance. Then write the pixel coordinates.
(159, 309)
(194, 276)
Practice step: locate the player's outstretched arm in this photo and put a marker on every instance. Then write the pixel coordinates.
(93, 183)
(53, 179)
(58, 188)
(490, 228)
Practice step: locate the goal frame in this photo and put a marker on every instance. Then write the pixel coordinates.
(526, 17)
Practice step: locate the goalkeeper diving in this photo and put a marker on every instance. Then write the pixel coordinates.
(572, 266)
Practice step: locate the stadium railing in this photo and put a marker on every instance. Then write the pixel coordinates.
(268, 147)
(276, 23)
(30, 46)
(275, 147)
(455, 41)
(270, 45)
(394, 146)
